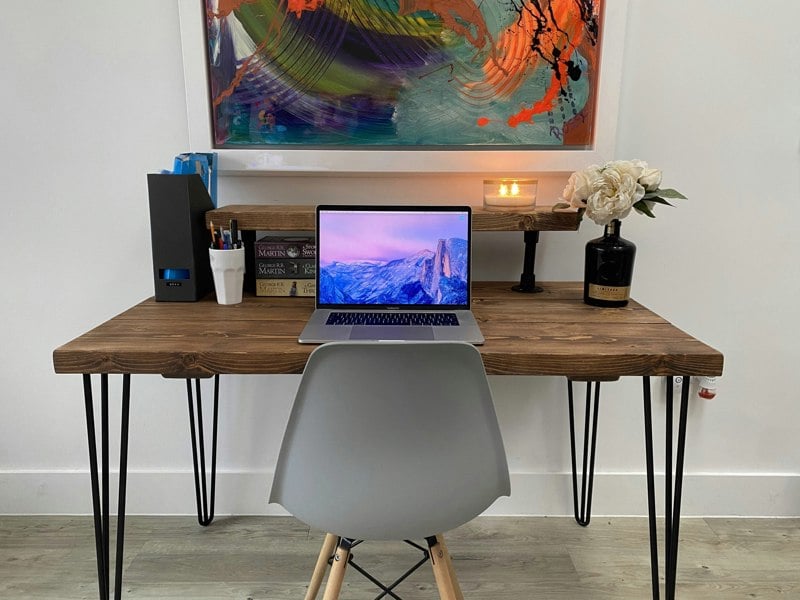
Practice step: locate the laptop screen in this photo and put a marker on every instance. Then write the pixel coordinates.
(393, 256)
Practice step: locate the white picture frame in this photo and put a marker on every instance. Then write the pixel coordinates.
(366, 161)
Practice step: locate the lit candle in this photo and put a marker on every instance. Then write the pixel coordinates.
(509, 194)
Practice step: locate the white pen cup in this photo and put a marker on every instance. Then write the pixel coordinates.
(227, 266)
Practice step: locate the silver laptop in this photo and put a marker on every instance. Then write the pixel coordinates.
(393, 273)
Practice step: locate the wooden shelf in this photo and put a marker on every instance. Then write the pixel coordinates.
(293, 217)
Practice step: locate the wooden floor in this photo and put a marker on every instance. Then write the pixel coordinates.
(495, 558)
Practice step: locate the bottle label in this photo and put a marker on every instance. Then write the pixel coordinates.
(609, 292)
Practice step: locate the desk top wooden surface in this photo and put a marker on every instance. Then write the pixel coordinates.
(551, 333)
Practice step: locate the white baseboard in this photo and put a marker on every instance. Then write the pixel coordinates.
(172, 493)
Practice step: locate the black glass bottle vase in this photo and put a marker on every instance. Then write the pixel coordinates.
(609, 268)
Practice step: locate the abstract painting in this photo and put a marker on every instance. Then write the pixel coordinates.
(436, 74)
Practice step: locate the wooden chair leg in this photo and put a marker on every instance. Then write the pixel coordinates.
(450, 568)
(340, 560)
(322, 565)
(443, 570)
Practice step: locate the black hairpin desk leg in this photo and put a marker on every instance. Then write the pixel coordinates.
(205, 500)
(672, 513)
(527, 281)
(583, 509)
(100, 498)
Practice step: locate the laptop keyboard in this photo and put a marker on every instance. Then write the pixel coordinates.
(399, 318)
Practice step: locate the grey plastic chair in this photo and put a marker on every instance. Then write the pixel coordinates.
(390, 441)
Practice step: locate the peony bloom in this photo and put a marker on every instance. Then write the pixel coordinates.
(650, 179)
(634, 168)
(609, 192)
(615, 197)
(580, 186)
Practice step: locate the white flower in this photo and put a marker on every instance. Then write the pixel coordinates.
(615, 192)
(634, 168)
(650, 179)
(580, 185)
(609, 192)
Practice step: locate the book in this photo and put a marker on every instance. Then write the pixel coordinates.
(284, 268)
(272, 246)
(285, 287)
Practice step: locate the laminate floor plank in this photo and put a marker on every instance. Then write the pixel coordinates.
(495, 558)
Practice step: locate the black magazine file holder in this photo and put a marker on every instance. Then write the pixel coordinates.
(180, 239)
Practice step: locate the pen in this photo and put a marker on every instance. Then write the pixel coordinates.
(213, 234)
(234, 233)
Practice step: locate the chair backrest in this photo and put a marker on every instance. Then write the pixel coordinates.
(391, 441)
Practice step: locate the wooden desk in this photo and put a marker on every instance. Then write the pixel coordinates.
(551, 333)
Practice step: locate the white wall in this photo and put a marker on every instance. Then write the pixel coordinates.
(93, 99)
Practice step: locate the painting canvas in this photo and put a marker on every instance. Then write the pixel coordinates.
(403, 73)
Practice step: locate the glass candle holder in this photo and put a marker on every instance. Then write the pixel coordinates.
(509, 194)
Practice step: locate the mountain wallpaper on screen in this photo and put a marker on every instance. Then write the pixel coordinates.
(425, 277)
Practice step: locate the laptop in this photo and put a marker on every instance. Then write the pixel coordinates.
(393, 273)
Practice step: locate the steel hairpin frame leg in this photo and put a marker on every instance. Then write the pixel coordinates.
(583, 509)
(672, 496)
(100, 503)
(205, 500)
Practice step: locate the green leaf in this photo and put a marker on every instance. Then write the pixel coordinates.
(655, 199)
(641, 206)
(669, 193)
(560, 205)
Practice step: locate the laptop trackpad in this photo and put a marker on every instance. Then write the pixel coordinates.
(390, 332)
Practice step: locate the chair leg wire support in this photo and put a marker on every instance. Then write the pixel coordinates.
(204, 493)
(386, 590)
(583, 507)
(673, 488)
(341, 557)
